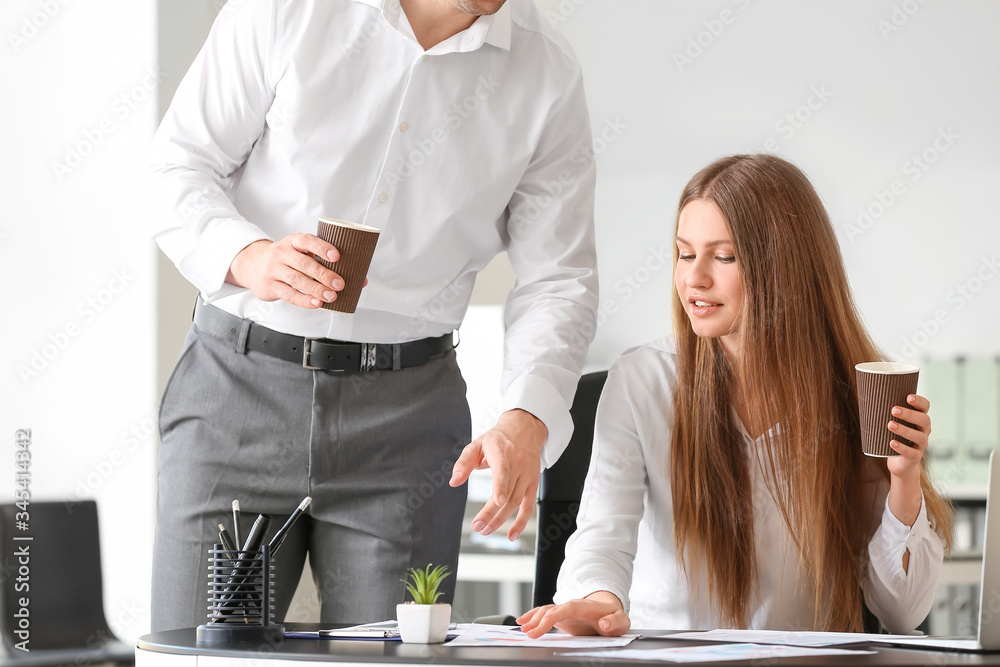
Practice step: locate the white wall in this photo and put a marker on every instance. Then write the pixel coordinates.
(79, 81)
(854, 92)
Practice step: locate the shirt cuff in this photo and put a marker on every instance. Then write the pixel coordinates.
(208, 264)
(898, 537)
(533, 394)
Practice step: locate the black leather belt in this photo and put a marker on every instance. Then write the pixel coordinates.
(319, 353)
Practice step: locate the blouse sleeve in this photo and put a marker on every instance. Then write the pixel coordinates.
(902, 599)
(599, 555)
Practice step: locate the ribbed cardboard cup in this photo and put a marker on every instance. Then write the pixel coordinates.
(881, 386)
(356, 244)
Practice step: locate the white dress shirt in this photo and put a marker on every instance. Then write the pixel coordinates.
(299, 109)
(625, 543)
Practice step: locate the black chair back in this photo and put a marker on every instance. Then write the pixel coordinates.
(561, 487)
(52, 561)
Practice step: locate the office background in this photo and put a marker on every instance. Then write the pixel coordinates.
(888, 105)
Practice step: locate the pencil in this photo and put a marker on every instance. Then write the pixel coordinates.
(227, 541)
(236, 521)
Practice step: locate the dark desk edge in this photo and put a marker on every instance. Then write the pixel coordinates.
(183, 642)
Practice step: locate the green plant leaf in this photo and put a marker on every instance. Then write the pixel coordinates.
(422, 585)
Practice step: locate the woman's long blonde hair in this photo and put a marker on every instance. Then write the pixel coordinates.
(801, 337)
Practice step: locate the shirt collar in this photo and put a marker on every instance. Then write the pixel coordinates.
(494, 30)
(498, 33)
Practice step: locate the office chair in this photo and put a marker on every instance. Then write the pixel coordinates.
(60, 575)
(561, 487)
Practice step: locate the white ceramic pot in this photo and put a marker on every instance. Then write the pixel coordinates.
(423, 623)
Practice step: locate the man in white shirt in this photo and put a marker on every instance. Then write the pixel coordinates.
(457, 127)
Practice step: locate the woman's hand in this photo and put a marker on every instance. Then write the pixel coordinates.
(904, 470)
(599, 613)
(906, 466)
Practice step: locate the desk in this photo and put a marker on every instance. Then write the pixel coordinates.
(177, 648)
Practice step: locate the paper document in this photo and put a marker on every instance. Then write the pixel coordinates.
(381, 631)
(785, 638)
(716, 653)
(508, 635)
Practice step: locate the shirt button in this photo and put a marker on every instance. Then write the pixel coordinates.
(383, 198)
(403, 127)
(425, 57)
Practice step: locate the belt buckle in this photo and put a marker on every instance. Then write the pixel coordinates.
(306, 351)
(368, 360)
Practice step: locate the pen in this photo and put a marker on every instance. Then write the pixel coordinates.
(227, 541)
(367, 632)
(256, 535)
(227, 544)
(359, 632)
(236, 521)
(279, 537)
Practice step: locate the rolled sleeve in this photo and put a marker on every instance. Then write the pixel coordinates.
(900, 598)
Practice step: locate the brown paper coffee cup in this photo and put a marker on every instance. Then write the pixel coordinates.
(356, 244)
(881, 386)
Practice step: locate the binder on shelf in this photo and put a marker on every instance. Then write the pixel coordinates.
(981, 379)
(939, 384)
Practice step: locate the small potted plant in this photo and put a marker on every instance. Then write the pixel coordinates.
(424, 620)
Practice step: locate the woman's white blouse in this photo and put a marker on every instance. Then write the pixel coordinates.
(624, 543)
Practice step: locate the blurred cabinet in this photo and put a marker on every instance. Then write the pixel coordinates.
(965, 410)
(956, 602)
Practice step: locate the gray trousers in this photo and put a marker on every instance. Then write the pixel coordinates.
(374, 450)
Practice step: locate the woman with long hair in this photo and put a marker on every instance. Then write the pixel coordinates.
(727, 485)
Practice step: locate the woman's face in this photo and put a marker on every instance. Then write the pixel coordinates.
(707, 274)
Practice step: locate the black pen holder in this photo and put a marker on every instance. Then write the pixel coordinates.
(240, 598)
